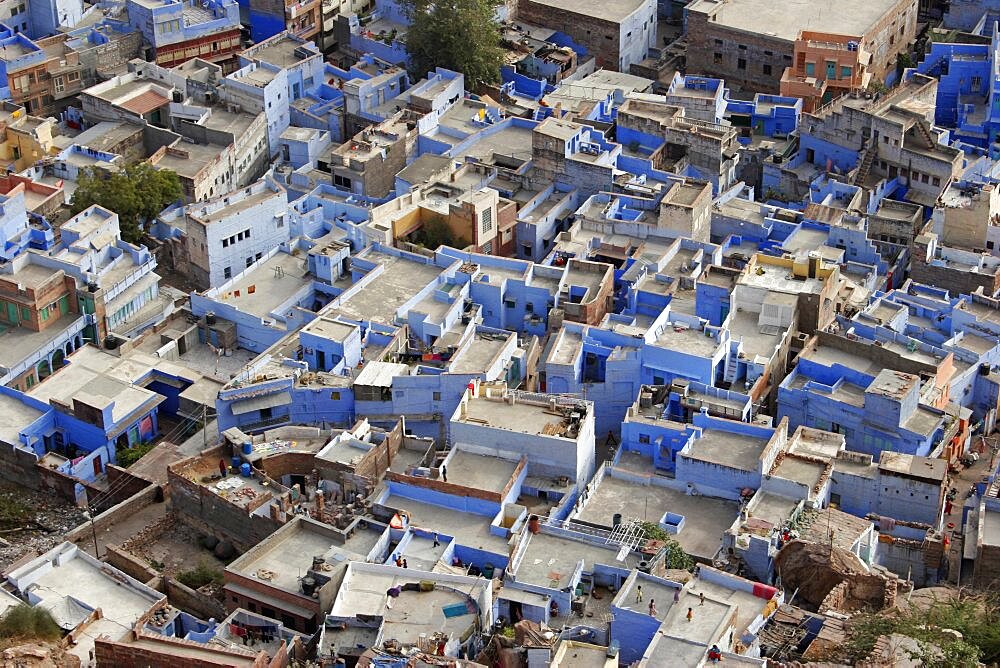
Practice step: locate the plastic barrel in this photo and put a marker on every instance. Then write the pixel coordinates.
(488, 571)
(247, 448)
(236, 463)
(245, 470)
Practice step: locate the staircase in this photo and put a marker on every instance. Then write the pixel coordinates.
(925, 134)
(867, 160)
(542, 113)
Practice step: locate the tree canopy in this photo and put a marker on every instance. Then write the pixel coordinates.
(460, 35)
(137, 194)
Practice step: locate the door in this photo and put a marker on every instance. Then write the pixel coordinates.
(97, 466)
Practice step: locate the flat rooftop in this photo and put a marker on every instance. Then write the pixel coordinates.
(400, 280)
(282, 559)
(77, 579)
(14, 416)
(235, 207)
(414, 614)
(784, 20)
(468, 529)
(728, 449)
(476, 355)
(681, 338)
(533, 419)
(480, 471)
(278, 52)
(275, 282)
(550, 561)
(510, 141)
(706, 518)
(96, 389)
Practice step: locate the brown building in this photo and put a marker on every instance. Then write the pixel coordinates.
(368, 163)
(618, 34)
(750, 43)
(35, 299)
(219, 48)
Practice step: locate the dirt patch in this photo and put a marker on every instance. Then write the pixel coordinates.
(171, 547)
(34, 523)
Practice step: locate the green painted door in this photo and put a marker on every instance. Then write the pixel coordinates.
(12, 312)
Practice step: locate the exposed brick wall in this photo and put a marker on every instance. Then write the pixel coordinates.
(123, 654)
(189, 600)
(234, 600)
(587, 31)
(206, 511)
(128, 564)
(115, 514)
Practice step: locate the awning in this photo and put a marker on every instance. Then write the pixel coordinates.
(257, 403)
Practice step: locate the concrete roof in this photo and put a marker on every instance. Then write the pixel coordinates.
(14, 416)
(287, 554)
(706, 519)
(728, 449)
(914, 467)
(784, 20)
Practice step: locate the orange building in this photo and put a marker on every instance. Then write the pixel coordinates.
(824, 67)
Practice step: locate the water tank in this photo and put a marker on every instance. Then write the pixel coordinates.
(210, 318)
(92, 286)
(245, 470)
(643, 566)
(247, 448)
(308, 585)
(616, 519)
(236, 463)
(110, 343)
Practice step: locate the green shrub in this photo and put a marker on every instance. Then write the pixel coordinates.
(200, 576)
(127, 457)
(25, 621)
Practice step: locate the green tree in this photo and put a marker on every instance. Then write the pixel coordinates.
(674, 555)
(460, 35)
(137, 194)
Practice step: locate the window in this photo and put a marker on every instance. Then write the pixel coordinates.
(249, 261)
(935, 181)
(436, 396)
(227, 273)
(810, 69)
(341, 181)
(845, 72)
(529, 307)
(25, 313)
(45, 313)
(743, 47)
(487, 220)
(717, 58)
(741, 63)
(766, 69)
(58, 84)
(225, 243)
(718, 42)
(335, 396)
(644, 438)
(977, 83)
